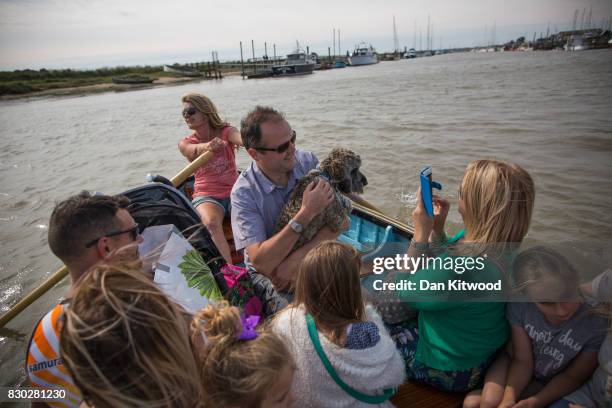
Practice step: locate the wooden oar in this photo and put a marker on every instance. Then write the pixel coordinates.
(365, 203)
(63, 271)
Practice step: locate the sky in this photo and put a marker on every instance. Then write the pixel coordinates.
(84, 34)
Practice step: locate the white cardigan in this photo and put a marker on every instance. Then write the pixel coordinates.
(368, 370)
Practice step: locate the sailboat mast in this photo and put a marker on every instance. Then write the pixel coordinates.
(428, 33)
(334, 43)
(395, 40)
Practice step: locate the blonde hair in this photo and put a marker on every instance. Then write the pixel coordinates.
(498, 199)
(205, 106)
(537, 263)
(328, 287)
(127, 344)
(238, 372)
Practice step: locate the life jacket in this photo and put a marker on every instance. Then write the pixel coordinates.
(44, 364)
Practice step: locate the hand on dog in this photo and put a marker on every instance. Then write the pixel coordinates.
(317, 196)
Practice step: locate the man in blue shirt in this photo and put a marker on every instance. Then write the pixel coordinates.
(262, 190)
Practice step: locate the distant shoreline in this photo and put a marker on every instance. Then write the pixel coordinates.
(107, 87)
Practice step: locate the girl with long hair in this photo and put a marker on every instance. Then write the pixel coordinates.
(456, 339)
(126, 344)
(343, 353)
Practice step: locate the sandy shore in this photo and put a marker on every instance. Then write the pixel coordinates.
(108, 87)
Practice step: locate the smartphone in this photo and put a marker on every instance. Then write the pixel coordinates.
(427, 186)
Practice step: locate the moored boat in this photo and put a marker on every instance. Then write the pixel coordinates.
(184, 71)
(411, 53)
(133, 80)
(297, 63)
(363, 55)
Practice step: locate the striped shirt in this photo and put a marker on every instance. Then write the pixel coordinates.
(45, 366)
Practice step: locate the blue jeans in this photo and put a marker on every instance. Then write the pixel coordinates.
(224, 203)
(406, 337)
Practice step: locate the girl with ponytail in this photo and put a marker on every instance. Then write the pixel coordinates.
(127, 344)
(243, 367)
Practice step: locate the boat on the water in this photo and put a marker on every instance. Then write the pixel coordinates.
(132, 80)
(339, 64)
(576, 43)
(411, 53)
(184, 71)
(363, 55)
(297, 63)
(373, 234)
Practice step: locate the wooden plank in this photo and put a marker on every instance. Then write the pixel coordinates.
(237, 258)
(414, 394)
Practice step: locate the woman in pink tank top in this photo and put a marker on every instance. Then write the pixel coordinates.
(215, 179)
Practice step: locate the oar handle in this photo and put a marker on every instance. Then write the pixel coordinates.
(364, 203)
(50, 282)
(191, 168)
(63, 271)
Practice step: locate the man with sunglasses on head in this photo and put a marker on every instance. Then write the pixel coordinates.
(83, 230)
(258, 197)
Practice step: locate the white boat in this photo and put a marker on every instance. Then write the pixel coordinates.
(364, 55)
(297, 63)
(177, 69)
(411, 53)
(576, 43)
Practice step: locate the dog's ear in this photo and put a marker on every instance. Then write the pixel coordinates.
(364, 179)
(334, 164)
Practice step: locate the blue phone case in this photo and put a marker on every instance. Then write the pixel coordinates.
(426, 190)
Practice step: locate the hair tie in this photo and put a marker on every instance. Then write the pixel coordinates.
(248, 327)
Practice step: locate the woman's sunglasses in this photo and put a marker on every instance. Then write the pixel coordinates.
(187, 112)
(280, 149)
(134, 232)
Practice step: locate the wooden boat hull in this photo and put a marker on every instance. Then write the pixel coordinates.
(132, 80)
(375, 234)
(294, 69)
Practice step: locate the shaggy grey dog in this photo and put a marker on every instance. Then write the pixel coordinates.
(341, 170)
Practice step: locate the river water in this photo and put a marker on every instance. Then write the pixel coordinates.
(548, 111)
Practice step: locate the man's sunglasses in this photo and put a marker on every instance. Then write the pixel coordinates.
(134, 231)
(280, 149)
(187, 112)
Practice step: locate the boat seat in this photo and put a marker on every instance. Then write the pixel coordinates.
(237, 258)
(414, 394)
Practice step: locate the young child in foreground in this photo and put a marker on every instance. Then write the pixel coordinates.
(555, 337)
(242, 367)
(597, 392)
(329, 321)
(127, 344)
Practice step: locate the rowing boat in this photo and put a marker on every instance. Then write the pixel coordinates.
(371, 232)
(375, 234)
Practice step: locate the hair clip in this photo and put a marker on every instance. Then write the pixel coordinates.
(248, 327)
